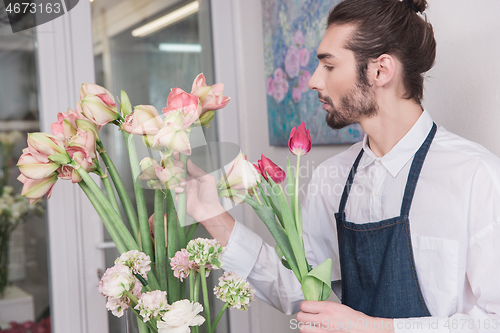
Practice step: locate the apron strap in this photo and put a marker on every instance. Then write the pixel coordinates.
(348, 184)
(416, 167)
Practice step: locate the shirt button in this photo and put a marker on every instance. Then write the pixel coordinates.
(377, 162)
(376, 193)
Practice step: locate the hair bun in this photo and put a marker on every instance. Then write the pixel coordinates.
(421, 5)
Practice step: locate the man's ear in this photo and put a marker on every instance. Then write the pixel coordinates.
(382, 70)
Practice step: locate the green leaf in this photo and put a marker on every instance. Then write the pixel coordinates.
(316, 285)
(267, 215)
(280, 255)
(125, 106)
(263, 194)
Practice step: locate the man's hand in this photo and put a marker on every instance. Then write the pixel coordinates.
(324, 317)
(202, 202)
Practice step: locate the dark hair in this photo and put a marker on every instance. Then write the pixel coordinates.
(390, 27)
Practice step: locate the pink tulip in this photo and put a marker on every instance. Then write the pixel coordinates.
(144, 120)
(32, 168)
(267, 167)
(210, 97)
(35, 189)
(299, 142)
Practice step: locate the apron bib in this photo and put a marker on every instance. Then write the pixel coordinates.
(376, 259)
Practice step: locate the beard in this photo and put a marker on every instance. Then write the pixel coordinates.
(355, 104)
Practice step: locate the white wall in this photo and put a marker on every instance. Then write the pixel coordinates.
(462, 92)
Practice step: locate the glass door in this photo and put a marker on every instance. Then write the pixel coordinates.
(147, 49)
(24, 275)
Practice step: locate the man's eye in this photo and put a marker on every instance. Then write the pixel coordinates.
(328, 68)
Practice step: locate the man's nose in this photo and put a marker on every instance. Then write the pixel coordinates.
(315, 81)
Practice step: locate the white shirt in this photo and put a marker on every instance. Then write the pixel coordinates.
(454, 225)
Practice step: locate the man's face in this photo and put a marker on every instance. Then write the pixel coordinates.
(346, 99)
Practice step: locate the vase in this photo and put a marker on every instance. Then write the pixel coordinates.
(4, 261)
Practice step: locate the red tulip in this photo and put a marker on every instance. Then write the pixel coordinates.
(299, 142)
(267, 167)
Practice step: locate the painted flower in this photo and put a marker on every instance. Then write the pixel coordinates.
(296, 94)
(292, 61)
(270, 86)
(298, 38)
(304, 81)
(180, 316)
(304, 57)
(234, 290)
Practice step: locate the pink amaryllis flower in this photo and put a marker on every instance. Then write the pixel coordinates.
(173, 135)
(45, 147)
(66, 125)
(178, 99)
(81, 148)
(98, 104)
(33, 168)
(299, 141)
(267, 167)
(170, 175)
(210, 97)
(144, 120)
(35, 189)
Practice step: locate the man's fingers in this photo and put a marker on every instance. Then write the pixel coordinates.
(179, 164)
(312, 306)
(195, 171)
(179, 189)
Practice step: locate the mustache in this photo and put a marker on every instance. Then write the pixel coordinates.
(325, 98)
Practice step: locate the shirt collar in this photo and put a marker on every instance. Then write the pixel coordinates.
(404, 150)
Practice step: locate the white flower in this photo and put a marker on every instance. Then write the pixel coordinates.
(234, 290)
(205, 251)
(180, 316)
(118, 305)
(116, 280)
(152, 304)
(137, 261)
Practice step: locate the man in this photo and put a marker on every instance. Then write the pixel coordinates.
(413, 236)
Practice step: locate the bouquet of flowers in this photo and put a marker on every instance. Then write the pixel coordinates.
(158, 296)
(14, 209)
(281, 214)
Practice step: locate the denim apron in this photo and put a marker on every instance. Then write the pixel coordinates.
(376, 259)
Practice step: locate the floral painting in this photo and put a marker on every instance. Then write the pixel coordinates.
(292, 32)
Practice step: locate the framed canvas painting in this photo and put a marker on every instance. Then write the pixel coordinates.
(292, 32)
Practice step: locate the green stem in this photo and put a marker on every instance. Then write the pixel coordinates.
(174, 284)
(205, 296)
(258, 199)
(196, 286)
(191, 285)
(139, 194)
(142, 326)
(120, 188)
(191, 230)
(109, 191)
(221, 312)
(297, 217)
(116, 220)
(139, 317)
(160, 246)
(181, 206)
(115, 236)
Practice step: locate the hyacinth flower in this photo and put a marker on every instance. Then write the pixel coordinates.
(283, 217)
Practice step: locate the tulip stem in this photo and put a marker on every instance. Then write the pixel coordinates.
(192, 228)
(219, 316)
(258, 199)
(205, 296)
(181, 206)
(122, 191)
(298, 219)
(140, 200)
(115, 236)
(174, 284)
(160, 246)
